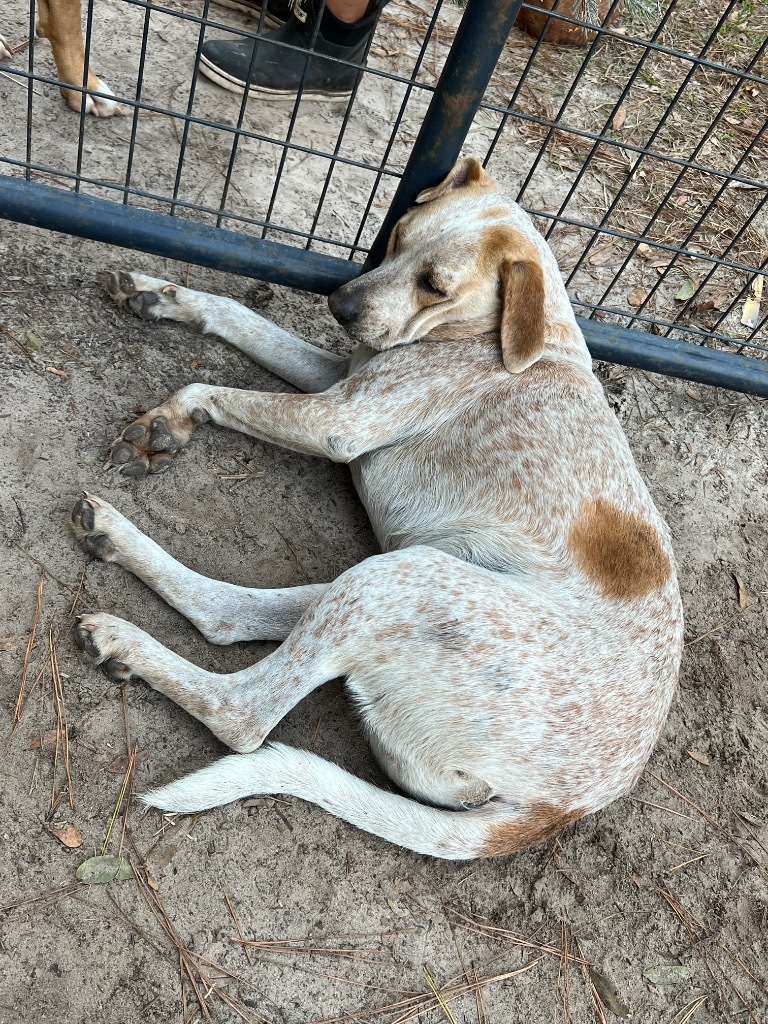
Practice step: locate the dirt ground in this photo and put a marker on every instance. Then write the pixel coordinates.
(663, 894)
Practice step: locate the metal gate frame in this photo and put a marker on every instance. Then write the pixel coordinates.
(478, 44)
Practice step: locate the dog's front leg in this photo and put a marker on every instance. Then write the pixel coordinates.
(306, 366)
(59, 22)
(329, 424)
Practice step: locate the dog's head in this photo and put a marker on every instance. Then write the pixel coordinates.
(462, 262)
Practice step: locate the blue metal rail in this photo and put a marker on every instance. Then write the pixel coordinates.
(171, 237)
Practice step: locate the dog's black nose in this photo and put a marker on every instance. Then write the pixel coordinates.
(344, 305)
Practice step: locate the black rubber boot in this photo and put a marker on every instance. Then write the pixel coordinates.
(276, 12)
(276, 72)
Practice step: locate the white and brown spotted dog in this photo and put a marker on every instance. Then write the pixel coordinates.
(514, 651)
(59, 22)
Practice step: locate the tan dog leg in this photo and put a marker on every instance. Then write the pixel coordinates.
(59, 23)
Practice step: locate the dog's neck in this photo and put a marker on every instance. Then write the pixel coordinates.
(488, 325)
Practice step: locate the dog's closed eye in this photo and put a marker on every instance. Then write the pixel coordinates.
(426, 283)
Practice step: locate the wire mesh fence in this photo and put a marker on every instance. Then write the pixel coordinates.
(641, 154)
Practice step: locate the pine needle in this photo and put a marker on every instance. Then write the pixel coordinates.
(438, 996)
(30, 644)
(690, 1009)
(236, 920)
(62, 729)
(120, 797)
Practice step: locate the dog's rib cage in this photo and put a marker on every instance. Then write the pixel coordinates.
(641, 155)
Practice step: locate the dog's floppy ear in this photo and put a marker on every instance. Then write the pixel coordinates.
(522, 314)
(463, 174)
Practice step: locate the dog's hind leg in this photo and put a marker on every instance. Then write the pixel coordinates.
(404, 640)
(223, 612)
(306, 366)
(334, 637)
(240, 708)
(371, 625)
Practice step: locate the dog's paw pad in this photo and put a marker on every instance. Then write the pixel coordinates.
(107, 641)
(86, 641)
(117, 671)
(149, 298)
(150, 444)
(97, 525)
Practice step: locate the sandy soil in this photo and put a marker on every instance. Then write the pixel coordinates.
(664, 893)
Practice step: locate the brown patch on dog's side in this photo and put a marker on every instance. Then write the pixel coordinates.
(498, 243)
(618, 551)
(541, 823)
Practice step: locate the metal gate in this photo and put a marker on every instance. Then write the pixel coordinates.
(641, 157)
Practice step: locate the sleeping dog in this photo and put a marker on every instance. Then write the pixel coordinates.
(514, 650)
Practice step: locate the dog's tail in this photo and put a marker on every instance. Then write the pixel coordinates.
(487, 831)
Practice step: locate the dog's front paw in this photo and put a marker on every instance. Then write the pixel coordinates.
(97, 106)
(107, 641)
(5, 49)
(150, 298)
(151, 442)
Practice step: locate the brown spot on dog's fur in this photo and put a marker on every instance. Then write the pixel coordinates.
(498, 243)
(494, 213)
(618, 551)
(542, 821)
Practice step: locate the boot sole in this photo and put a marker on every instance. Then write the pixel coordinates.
(236, 85)
(270, 21)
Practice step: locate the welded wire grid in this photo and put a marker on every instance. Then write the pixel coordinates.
(642, 156)
(300, 172)
(657, 139)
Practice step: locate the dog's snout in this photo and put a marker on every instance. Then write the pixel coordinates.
(344, 305)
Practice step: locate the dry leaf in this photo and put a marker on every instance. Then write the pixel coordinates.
(58, 373)
(43, 739)
(120, 764)
(619, 118)
(166, 848)
(393, 906)
(742, 595)
(636, 297)
(693, 395)
(607, 993)
(195, 364)
(67, 835)
(668, 974)
(701, 758)
(722, 300)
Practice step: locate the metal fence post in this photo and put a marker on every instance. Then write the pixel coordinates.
(473, 56)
